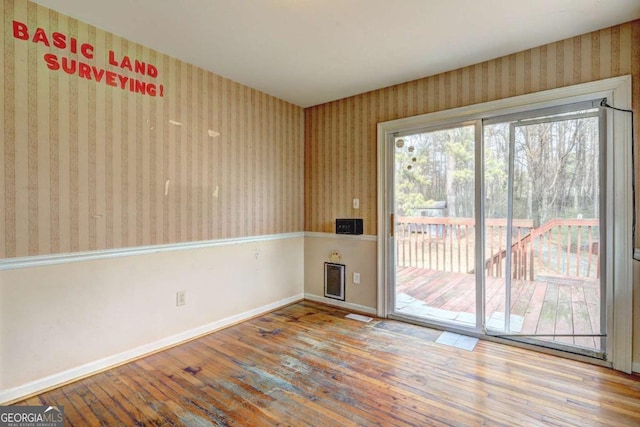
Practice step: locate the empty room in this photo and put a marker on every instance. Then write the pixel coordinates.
(320, 213)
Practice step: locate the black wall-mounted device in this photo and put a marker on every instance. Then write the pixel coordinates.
(349, 226)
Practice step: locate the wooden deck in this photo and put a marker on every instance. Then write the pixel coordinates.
(307, 365)
(559, 305)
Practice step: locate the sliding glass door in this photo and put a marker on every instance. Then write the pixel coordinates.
(497, 227)
(543, 245)
(434, 187)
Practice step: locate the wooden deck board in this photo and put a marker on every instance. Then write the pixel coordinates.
(591, 294)
(547, 321)
(532, 315)
(448, 290)
(581, 320)
(547, 307)
(307, 365)
(494, 295)
(564, 315)
(523, 299)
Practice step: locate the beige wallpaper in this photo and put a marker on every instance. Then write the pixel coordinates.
(97, 153)
(340, 137)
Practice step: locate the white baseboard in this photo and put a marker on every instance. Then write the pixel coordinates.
(341, 304)
(635, 367)
(13, 394)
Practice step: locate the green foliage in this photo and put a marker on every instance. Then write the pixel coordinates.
(440, 167)
(555, 170)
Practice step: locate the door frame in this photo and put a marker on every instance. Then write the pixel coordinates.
(618, 267)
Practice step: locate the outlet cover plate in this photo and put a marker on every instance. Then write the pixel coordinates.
(181, 298)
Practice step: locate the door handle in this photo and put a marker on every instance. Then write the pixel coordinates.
(392, 225)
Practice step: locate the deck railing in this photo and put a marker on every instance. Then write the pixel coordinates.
(560, 247)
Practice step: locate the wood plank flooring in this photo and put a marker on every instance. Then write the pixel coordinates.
(307, 365)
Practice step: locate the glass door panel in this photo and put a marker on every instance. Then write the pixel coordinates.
(434, 195)
(542, 230)
(532, 273)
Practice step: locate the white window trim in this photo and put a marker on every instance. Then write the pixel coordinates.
(619, 193)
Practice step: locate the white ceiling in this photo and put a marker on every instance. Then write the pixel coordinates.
(313, 51)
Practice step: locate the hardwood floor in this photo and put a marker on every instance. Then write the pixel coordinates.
(306, 365)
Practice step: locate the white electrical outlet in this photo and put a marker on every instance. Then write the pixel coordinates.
(356, 203)
(356, 278)
(181, 298)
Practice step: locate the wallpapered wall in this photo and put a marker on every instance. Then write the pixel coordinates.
(340, 137)
(85, 164)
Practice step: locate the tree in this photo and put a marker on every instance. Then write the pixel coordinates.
(556, 169)
(436, 166)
